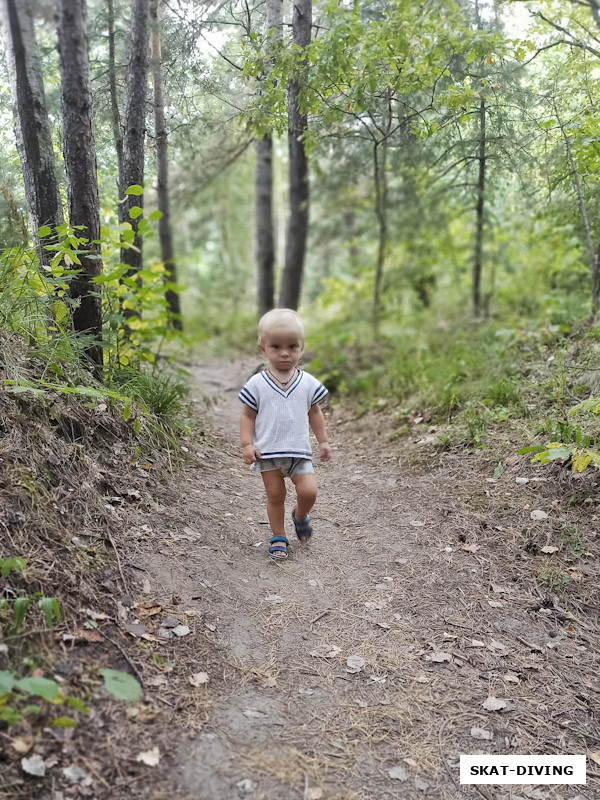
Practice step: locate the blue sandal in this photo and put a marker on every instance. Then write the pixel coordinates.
(303, 529)
(278, 544)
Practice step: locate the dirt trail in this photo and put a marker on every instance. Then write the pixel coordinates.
(439, 628)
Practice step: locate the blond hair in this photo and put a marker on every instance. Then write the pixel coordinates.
(280, 318)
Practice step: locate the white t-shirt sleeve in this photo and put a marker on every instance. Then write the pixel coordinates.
(318, 393)
(249, 394)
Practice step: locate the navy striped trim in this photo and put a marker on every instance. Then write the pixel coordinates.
(277, 389)
(247, 398)
(319, 394)
(288, 454)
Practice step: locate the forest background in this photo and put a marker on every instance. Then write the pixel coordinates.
(434, 213)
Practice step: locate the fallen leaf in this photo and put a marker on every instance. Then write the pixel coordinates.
(477, 643)
(538, 514)
(471, 548)
(521, 481)
(75, 774)
(421, 784)
(198, 679)
(411, 762)
(89, 636)
(439, 657)
(549, 549)
(22, 745)
(274, 598)
(510, 677)
(254, 713)
(494, 704)
(383, 625)
(146, 588)
(398, 773)
(34, 766)
(355, 663)
(500, 589)
(149, 611)
(91, 614)
(149, 757)
(595, 756)
(416, 524)
(481, 733)
(496, 645)
(326, 651)
(314, 794)
(495, 604)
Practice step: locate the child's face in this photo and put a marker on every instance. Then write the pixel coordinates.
(283, 347)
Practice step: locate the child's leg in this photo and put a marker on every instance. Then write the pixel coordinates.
(306, 494)
(275, 489)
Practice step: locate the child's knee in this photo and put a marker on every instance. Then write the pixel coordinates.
(307, 494)
(276, 494)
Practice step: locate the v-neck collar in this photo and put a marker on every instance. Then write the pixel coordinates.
(283, 392)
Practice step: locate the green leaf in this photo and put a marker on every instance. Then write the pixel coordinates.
(20, 607)
(498, 471)
(14, 564)
(10, 715)
(51, 608)
(157, 214)
(126, 412)
(7, 681)
(45, 230)
(41, 687)
(534, 448)
(77, 704)
(135, 189)
(136, 426)
(135, 212)
(121, 685)
(63, 722)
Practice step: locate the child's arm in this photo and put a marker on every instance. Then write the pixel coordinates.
(247, 435)
(317, 423)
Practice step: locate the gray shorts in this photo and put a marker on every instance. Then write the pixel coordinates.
(290, 467)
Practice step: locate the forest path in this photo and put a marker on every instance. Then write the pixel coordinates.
(387, 578)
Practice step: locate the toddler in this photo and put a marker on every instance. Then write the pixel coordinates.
(280, 403)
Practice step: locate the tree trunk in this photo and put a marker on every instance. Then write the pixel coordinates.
(478, 256)
(265, 236)
(164, 225)
(291, 284)
(80, 165)
(380, 177)
(114, 96)
(31, 124)
(135, 128)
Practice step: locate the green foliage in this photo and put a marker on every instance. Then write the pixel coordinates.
(121, 685)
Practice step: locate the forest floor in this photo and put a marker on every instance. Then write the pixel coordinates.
(423, 621)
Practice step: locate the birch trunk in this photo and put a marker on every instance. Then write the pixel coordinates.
(80, 165)
(165, 231)
(31, 124)
(291, 284)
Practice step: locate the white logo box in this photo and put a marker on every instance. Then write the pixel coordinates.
(522, 769)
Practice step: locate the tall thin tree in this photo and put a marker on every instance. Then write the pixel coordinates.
(135, 127)
(297, 232)
(162, 157)
(265, 235)
(80, 164)
(31, 123)
(114, 95)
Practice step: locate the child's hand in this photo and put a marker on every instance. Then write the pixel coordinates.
(325, 451)
(250, 454)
